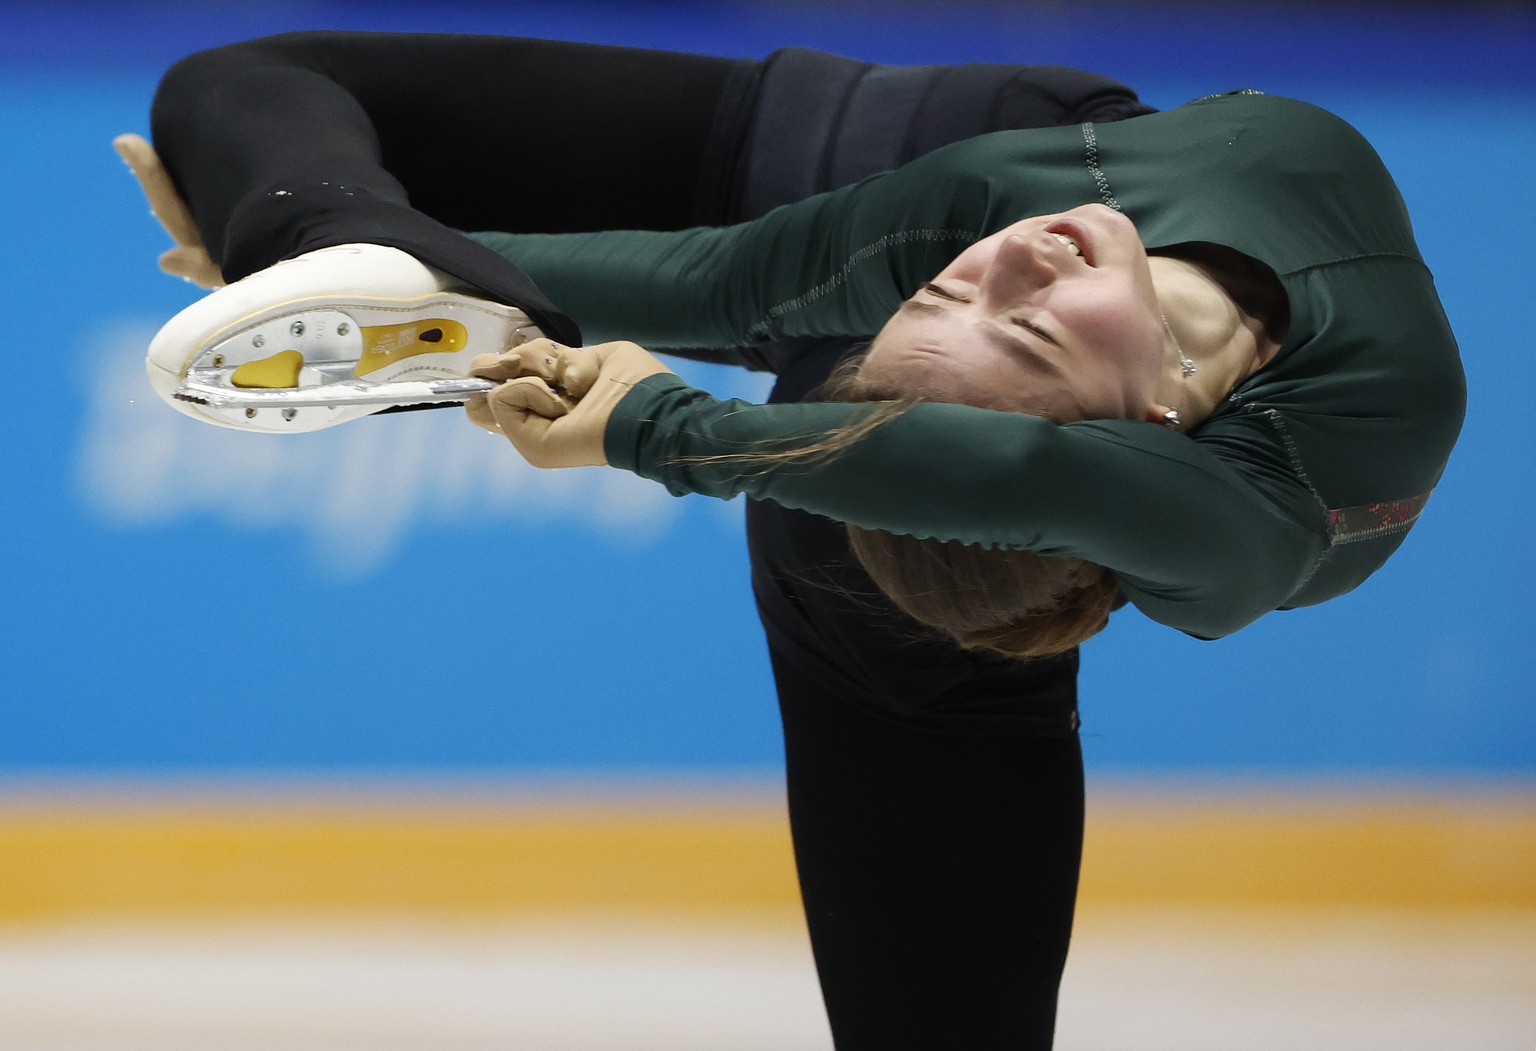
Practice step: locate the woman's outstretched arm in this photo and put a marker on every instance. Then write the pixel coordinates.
(1199, 542)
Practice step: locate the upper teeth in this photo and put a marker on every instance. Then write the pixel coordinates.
(1069, 242)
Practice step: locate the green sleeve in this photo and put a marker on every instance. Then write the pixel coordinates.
(1197, 542)
(838, 264)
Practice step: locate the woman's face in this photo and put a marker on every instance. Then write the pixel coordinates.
(1055, 315)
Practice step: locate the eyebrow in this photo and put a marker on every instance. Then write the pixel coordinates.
(1008, 340)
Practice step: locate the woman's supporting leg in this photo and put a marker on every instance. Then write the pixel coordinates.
(938, 870)
(297, 142)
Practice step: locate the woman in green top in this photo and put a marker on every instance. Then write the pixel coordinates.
(1197, 349)
(1241, 269)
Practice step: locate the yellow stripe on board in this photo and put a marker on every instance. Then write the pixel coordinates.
(72, 857)
(1470, 851)
(447, 861)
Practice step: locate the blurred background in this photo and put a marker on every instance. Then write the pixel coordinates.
(293, 752)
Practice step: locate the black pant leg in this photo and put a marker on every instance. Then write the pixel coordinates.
(297, 142)
(938, 871)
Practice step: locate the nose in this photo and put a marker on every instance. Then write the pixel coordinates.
(1022, 266)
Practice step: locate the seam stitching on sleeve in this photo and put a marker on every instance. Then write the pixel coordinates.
(1091, 141)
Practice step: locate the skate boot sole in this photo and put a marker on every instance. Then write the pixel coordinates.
(316, 361)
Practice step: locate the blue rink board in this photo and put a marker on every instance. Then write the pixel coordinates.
(179, 601)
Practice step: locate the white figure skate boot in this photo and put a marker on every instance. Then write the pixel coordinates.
(327, 337)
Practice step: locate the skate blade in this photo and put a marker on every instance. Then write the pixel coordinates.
(294, 406)
(216, 393)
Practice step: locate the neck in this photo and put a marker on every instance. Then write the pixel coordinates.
(1223, 342)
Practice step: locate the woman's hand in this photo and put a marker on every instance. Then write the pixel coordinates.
(189, 259)
(554, 401)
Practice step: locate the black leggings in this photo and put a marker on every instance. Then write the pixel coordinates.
(936, 798)
(938, 871)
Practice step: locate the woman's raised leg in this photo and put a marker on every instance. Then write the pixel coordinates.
(297, 142)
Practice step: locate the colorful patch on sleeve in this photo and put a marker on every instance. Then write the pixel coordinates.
(1368, 521)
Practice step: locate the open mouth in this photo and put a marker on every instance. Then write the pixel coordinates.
(1075, 238)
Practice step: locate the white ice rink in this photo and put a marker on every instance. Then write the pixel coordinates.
(1175, 981)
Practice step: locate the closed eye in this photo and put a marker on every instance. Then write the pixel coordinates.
(1030, 326)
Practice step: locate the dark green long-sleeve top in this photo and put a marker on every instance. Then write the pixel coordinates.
(1295, 489)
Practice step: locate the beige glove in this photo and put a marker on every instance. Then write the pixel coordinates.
(189, 259)
(555, 402)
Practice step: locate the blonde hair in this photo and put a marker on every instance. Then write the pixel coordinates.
(1017, 603)
(1021, 604)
